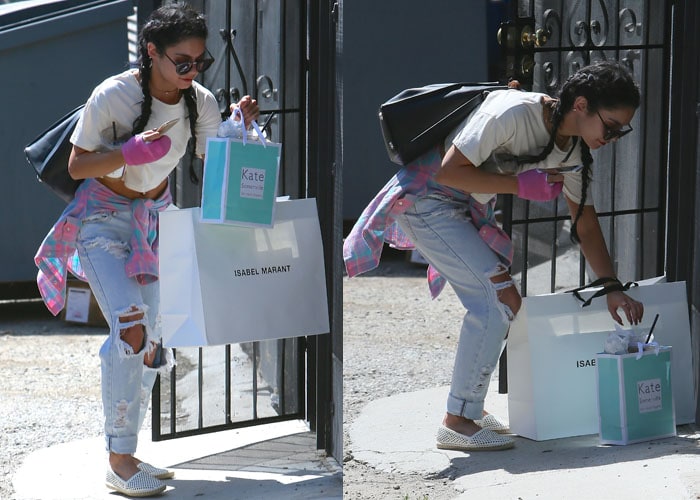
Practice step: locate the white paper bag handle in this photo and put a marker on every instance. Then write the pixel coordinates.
(654, 346)
(253, 123)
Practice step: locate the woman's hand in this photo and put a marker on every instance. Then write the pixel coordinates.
(632, 309)
(151, 135)
(249, 108)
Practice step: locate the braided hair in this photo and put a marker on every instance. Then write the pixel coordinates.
(167, 26)
(605, 84)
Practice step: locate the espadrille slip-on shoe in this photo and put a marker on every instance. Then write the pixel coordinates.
(156, 472)
(140, 484)
(491, 423)
(484, 440)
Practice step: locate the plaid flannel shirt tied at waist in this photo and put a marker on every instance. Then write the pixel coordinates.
(57, 253)
(376, 225)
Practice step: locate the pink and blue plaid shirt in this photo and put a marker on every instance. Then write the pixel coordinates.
(57, 253)
(362, 248)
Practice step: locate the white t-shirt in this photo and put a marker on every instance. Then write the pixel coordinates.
(109, 116)
(510, 122)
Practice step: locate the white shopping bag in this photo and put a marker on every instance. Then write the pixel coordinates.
(224, 284)
(552, 347)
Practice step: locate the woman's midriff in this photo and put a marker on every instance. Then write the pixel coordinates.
(117, 185)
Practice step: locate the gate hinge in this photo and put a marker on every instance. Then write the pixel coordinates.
(334, 12)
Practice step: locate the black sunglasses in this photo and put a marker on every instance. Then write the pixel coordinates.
(201, 65)
(609, 133)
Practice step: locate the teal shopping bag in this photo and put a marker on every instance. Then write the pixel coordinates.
(635, 400)
(240, 181)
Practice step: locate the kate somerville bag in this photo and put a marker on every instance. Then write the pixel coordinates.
(416, 119)
(635, 395)
(48, 154)
(240, 180)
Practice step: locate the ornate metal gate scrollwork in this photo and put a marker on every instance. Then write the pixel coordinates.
(544, 43)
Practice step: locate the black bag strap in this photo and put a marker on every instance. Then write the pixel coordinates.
(616, 286)
(573, 146)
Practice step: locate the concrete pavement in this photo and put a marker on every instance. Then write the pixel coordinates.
(397, 434)
(273, 461)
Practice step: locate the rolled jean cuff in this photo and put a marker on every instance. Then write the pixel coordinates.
(123, 445)
(473, 410)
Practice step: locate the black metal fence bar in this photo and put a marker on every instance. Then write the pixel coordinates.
(579, 32)
(158, 434)
(610, 12)
(266, 388)
(601, 215)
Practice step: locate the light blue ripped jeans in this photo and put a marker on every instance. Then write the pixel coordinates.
(126, 382)
(441, 229)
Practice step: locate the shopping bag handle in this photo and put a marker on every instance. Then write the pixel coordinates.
(616, 286)
(253, 123)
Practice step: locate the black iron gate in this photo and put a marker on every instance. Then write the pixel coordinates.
(545, 42)
(683, 248)
(260, 48)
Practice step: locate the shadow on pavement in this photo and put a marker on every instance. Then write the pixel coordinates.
(572, 453)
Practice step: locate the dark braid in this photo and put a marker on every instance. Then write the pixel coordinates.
(145, 71)
(191, 102)
(167, 26)
(587, 160)
(557, 116)
(605, 84)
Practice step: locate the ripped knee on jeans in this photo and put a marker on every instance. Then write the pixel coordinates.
(132, 330)
(506, 291)
(134, 336)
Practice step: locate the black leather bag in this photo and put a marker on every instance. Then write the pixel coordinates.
(417, 119)
(48, 155)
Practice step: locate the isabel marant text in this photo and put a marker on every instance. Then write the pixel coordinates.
(257, 271)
